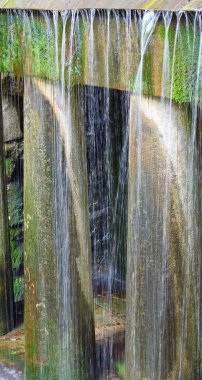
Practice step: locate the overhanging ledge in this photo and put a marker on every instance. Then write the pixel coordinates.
(161, 5)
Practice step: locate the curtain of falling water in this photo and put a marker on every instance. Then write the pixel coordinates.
(109, 242)
(164, 228)
(193, 270)
(100, 106)
(164, 255)
(139, 224)
(107, 143)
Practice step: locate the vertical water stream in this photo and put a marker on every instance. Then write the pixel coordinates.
(112, 170)
(163, 336)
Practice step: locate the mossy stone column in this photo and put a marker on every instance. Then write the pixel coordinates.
(6, 285)
(58, 292)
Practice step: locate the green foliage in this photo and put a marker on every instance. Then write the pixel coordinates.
(10, 166)
(15, 232)
(18, 289)
(19, 149)
(15, 204)
(14, 153)
(17, 256)
(120, 367)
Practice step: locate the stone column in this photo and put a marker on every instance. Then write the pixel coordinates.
(58, 293)
(162, 276)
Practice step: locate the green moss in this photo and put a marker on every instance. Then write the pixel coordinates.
(78, 63)
(184, 64)
(28, 47)
(147, 73)
(42, 51)
(5, 48)
(183, 67)
(160, 29)
(11, 44)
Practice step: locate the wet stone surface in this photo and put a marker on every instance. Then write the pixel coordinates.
(109, 329)
(12, 355)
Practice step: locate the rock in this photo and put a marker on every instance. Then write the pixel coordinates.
(11, 121)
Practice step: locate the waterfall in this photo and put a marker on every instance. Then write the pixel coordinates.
(112, 200)
(163, 231)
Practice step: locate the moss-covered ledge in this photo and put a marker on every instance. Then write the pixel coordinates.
(105, 51)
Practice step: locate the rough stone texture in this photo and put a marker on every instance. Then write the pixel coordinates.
(145, 293)
(167, 5)
(11, 121)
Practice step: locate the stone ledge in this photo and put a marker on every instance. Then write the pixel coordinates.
(161, 5)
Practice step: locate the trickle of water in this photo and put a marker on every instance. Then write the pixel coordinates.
(55, 20)
(166, 55)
